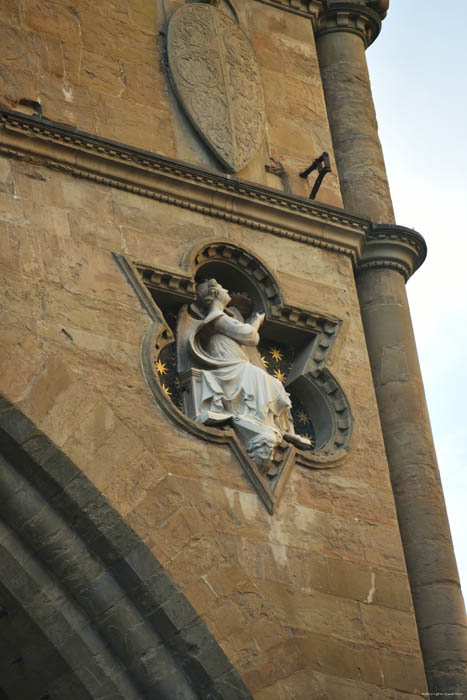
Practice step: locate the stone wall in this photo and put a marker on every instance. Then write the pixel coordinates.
(102, 68)
(308, 603)
(311, 602)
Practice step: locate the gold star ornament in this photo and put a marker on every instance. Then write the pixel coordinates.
(279, 375)
(276, 354)
(160, 367)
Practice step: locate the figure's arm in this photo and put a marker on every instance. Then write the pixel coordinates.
(256, 320)
(243, 333)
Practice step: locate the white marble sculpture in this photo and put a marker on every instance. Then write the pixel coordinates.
(223, 378)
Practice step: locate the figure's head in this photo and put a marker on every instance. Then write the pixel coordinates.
(210, 291)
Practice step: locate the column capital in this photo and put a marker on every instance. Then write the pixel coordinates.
(394, 247)
(350, 17)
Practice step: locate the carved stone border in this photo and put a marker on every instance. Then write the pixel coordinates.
(322, 383)
(276, 310)
(312, 8)
(173, 182)
(305, 8)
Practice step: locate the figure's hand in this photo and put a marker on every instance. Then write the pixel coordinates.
(257, 319)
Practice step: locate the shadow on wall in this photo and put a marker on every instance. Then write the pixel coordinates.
(86, 611)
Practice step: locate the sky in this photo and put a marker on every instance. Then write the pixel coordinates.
(417, 69)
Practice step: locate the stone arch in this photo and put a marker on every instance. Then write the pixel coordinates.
(47, 642)
(111, 617)
(229, 262)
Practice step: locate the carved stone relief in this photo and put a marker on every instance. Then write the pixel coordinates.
(293, 352)
(216, 76)
(224, 378)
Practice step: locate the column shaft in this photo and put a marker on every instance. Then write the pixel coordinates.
(354, 129)
(392, 253)
(415, 478)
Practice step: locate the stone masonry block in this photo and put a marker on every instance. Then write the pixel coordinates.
(403, 672)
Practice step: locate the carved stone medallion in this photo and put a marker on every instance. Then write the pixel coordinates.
(216, 76)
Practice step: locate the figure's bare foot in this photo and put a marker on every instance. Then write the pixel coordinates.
(297, 440)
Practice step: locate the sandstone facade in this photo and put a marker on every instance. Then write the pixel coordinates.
(152, 541)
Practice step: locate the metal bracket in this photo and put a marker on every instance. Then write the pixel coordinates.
(323, 165)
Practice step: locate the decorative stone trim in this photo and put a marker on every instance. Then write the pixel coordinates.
(172, 282)
(349, 17)
(315, 386)
(325, 389)
(393, 247)
(277, 311)
(231, 254)
(305, 8)
(313, 9)
(148, 175)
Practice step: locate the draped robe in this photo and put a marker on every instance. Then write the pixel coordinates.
(225, 381)
(236, 384)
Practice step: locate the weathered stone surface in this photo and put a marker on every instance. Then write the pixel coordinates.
(310, 603)
(402, 672)
(343, 689)
(82, 65)
(414, 472)
(353, 125)
(9, 12)
(341, 658)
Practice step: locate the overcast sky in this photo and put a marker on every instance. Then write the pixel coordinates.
(417, 68)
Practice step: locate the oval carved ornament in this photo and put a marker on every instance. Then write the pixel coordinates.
(217, 78)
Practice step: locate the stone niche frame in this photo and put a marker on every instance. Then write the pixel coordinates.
(310, 380)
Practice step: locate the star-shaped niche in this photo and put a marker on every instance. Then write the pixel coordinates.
(295, 346)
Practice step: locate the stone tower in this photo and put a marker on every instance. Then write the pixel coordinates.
(145, 146)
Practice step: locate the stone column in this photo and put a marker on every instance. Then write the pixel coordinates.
(391, 255)
(343, 31)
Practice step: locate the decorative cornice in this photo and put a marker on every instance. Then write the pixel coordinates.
(312, 9)
(305, 8)
(349, 17)
(164, 179)
(167, 180)
(395, 247)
